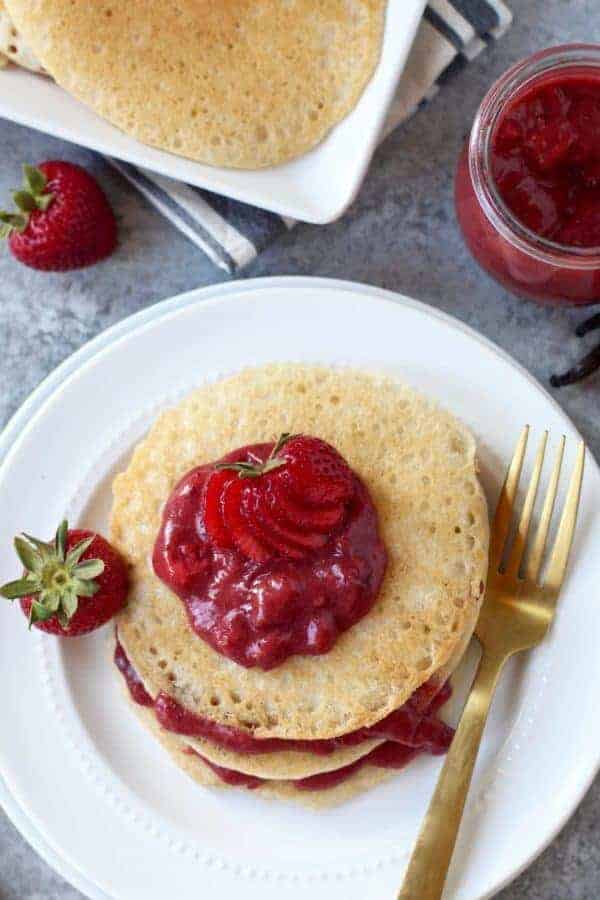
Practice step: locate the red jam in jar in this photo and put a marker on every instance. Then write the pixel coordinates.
(528, 184)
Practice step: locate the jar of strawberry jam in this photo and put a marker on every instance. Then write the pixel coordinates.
(528, 181)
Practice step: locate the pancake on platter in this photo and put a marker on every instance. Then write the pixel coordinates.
(12, 46)
(234, 83)
(419, 466)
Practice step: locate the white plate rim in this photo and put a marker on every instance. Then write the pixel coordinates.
(18, 424)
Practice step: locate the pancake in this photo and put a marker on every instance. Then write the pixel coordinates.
(283, 764)
(12, 46)
(294, 764)
(419, 465)
(234, 83)
(363, 780)
(278, 765)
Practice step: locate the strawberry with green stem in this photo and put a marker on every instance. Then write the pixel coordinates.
(287, 502)
(63, 220)
(71, 585)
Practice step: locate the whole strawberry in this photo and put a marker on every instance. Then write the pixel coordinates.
(70, 586)
(63, 220)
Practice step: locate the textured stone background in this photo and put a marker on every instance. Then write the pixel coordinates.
(400, 234)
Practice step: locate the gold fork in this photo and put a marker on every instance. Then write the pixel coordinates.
(516, 614)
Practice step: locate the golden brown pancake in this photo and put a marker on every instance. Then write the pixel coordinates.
(234, 83)
(419, 465)
(363, 780)
(293, 764)
(12, 47)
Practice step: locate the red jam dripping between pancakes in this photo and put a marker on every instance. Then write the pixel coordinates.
(136, 688)
(386, 756)
(409, 731)
(276, 563)
(414, 725)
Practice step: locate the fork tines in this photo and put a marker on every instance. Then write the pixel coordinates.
(523, 560)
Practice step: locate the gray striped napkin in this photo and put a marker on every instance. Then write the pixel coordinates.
(231, 233)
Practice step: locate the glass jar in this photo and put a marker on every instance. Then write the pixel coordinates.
(527, 264)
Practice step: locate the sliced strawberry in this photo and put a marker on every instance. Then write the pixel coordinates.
(240, 530)
(213, 518)
(315, 472)
(290, 497)
(286, 507)
(257, 510)
(277, 545)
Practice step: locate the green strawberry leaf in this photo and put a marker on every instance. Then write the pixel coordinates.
(39, 613)
(69, 603)
(91, 568)
(50, 599)
(34, 179)
(44, 201)
(85, 588)
(63, 619)
(12, 222)
(25, 201)
(11, 218)
(20, 588)
(29, 556)
(255, 470)
(76, 552)
(281, 442)
(60, 541)
(45, 548)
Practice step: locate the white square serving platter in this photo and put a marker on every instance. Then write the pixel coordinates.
(317, 187)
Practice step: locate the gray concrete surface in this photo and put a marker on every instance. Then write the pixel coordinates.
(400, 234)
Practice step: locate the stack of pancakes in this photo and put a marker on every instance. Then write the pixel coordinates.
(420, 468)
(235, 83)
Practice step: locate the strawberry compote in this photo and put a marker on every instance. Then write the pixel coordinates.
(386, 756)
(135, 685)
(528, 184)
(545, 157)
(411, 725)
(414, 725)
(274, 550)
(406, 733)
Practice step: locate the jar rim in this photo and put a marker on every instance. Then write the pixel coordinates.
(502, 219)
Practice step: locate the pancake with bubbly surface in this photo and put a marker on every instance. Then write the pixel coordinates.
(419, 465)
(12, 47)
(293, 764)
(234, 83)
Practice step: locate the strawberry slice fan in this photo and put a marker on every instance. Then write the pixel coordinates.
(590, 362)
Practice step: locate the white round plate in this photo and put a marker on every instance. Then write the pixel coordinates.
(96, 795)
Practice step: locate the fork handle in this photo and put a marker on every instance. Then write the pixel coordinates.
(430, 860)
